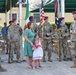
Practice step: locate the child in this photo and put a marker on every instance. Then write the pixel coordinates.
(37, 52)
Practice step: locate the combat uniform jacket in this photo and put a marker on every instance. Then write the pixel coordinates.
(47, 29)
(64, 31)
(35, 28)
(14, 33)
(73, 28)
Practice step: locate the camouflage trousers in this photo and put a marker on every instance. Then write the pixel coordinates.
(47, 47)
(63, 46)
(74, 48)
(14, 46)
(5, 43)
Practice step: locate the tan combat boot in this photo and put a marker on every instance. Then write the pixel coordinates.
(44, 59)
(10, 60)
(74, 65)
(18, 61)
(2, 69)
(65, 59)
(49, 59)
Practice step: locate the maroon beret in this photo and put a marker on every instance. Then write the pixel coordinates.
(13, 20)
(46, 17)
(31, 18)
(61, 19)
(74, 12)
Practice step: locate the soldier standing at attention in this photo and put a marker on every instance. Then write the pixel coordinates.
(31, 18)
(47, 39)
(14, 39)
(73, 36)
(8, 43)
(64, 35)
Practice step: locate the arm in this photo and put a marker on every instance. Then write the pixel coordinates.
(51, 30)
(2, 31)
(20, 31)
(9, 34)
(72, 30)
(26, 38)
(66, 31)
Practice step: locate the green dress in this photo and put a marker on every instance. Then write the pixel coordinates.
(27, 47)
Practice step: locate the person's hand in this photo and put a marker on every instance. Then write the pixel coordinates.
(31, 44)
(48, 34)
(73, 32)
(63, 36)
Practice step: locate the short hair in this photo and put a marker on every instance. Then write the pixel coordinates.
(5, 23)
(10, 22)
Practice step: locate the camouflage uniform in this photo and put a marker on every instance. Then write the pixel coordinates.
(14, 36)
(64, 35)
(35, 28)
(47, 40)
(73, 36)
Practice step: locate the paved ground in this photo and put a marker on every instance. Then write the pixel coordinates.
(49, 68)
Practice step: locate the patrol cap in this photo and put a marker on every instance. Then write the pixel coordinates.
(31, 18)
(46, 17)
(13, 20)
(61, 19)
(74, 12)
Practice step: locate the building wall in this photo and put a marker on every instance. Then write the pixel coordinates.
(2, 19)
(68, 16)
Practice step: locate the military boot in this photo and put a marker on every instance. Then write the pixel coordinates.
(74, 65)
(49, 59)
(65, 59)
(18, 61)
(44, 59)
(2, 69)
(10, 61)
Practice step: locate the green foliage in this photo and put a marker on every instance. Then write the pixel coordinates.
(66, 23)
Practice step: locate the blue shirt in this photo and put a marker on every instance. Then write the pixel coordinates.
(4, 32)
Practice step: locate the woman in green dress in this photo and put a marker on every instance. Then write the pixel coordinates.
(28, 43)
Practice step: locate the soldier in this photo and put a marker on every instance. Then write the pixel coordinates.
(1, 68)
(47, 38)
(31, 18)
(4, 34)
(8, 43)
(64, 36)
(73, 36)
(14, 39)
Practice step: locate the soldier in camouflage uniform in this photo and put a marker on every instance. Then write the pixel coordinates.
(35, 28)
(14, 38)
(64, 36)
(73, 35)
(47, 38)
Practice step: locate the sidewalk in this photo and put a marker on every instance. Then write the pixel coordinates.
(49, 68)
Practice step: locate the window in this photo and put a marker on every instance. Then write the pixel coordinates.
(36, 17)
(14, 15)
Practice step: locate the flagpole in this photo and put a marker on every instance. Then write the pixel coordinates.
(20, 23)
(59, 52)
(41, 23)
(62, 8)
